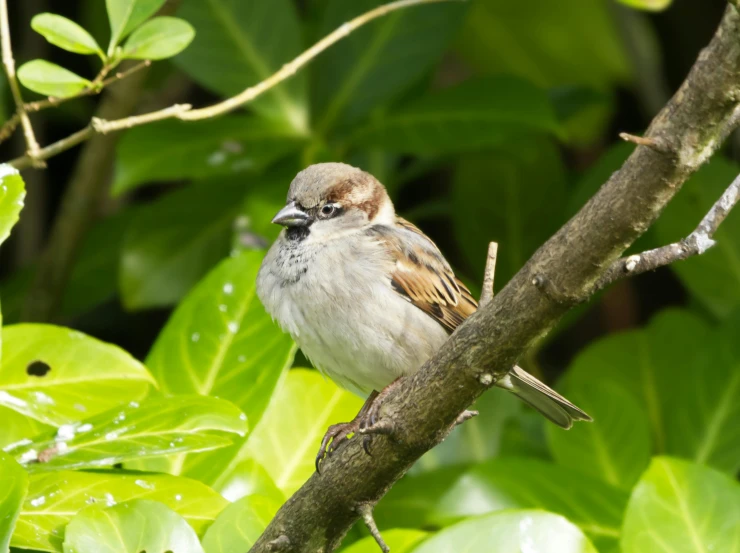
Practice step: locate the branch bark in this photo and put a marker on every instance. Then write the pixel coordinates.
(565, 271)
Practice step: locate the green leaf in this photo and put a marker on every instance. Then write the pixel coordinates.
(679, 507)
(287, 439)
(572, 42)
(510, 532)
(13, 486)
(399, 541)
(173, 150)
(18, 428)
(55, 497)
(220, 335)
(514, 196)
(446, 496)
(246, 478)
(240, 524)
(648, 5)
(235, 47)
(65, 33)
(617, 448)
(713, 277)
(480, 113)
(176, 240)
(132, 527)
(378, 61)
(50, 79)
(57, 375)
(159, 38)
(12, 193)
(159, 426)
(125, 15)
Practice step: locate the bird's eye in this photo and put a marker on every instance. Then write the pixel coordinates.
(328, 210)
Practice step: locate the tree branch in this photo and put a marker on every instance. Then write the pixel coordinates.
(562, 273)
(696, 243)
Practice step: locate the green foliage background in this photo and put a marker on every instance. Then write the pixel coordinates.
(164, 411)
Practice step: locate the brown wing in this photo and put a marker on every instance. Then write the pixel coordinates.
(423, 276)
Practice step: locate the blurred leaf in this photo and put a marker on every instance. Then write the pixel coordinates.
(685, 376)
(448, 495)
(160, 426)
(57, 375)
(510, 532)
(176, 240)
(514, 196)
(64, 33)
(125, 15)
(159, 38)
(55, 497)
(239, 43)
(649, 5)
(616, 448)
(13, 487)
(713, 277)
(220, 336)
(398, 540)
(378, 61)
(679, 507)
(583, 114)
(247, 478)
(240, 524)
(480, 113)
(569, 42)
(287, 439)
(136, 526)
(12, 193)
(172, 150)
(50, 79)
(17, 429)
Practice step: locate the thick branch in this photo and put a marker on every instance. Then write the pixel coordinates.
(562, 273)
(695, 243)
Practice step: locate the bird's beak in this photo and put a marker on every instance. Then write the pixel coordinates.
(291, 216)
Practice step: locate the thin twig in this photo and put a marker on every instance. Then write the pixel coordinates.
(652, 143)
(486, 294)
(9, 64)
(366, 511)
(291, 67)
(696, 243)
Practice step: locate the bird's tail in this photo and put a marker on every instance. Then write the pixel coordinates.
(543, 398)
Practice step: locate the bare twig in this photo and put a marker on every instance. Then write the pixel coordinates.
(486, 294)
(696, 243)
(104, 127)
(652, 143)
(9, 64)
(366, 512)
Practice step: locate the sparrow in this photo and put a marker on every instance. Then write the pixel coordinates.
(367, 296)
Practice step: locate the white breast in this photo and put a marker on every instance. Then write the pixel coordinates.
(338, 305)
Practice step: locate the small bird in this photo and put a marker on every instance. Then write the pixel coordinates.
(367, 296)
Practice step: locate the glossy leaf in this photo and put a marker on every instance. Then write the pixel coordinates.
(66, 34)
(287, 439)
(159, 426)
(173, 150)
(12, 194)
(378, 61)
(510, 532)
(159, 38)
(57, 375)
(50, 79)
(125, 15)
(224, 345)
(448, 495)
(399, 541)
(55, 497)
(713, 277)
(478, 114)
(617, 448)
(236, 46)
(246, 478)
(13, 487)
(18, 428)
(649, 5)
(240, 524)
(679, 507)
(140, 525)
(175, 241)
